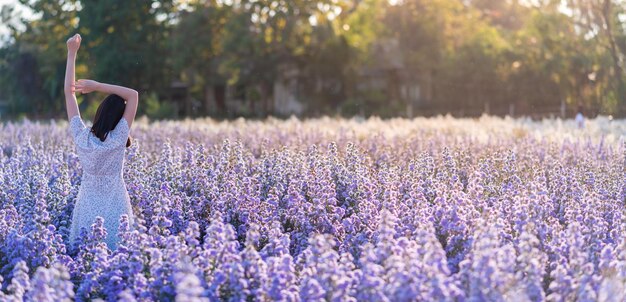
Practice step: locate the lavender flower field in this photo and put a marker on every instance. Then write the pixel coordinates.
(438, 209)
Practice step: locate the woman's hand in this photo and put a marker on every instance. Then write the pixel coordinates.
(86, 86)
(73, 43)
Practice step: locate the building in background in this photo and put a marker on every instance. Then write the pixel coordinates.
(386, 76)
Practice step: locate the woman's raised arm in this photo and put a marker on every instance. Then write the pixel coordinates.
(130, 95)
(73, 44)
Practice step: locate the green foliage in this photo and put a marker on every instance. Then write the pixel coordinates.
(126, 43)
(157, 109)
(370, 103)
(35, 61)
(464, 54)
(89, 112)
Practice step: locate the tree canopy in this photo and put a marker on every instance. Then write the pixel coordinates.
(468, 56)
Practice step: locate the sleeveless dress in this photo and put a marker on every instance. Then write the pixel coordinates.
(102, 190)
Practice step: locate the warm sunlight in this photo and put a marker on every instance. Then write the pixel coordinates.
(312, 150)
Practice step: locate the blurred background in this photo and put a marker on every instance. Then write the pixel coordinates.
(256, 58)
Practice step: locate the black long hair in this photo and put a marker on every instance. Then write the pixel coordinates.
(109, 113)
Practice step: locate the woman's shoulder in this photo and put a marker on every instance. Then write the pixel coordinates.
(76, 124)
(114, 138)
(118, 135)
(76, 119)
(94, 142)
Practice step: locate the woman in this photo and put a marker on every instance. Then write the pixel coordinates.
(100, 150)
(580, 118)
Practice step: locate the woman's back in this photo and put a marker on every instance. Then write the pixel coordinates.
(102, 190)
(98, 157)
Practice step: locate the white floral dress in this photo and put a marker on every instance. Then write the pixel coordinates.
(102, 190)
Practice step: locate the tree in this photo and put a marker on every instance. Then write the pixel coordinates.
(598, 20)
(36, 59)
(127, 42)
(198, 62)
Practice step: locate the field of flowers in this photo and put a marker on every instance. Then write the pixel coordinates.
(437, 209)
